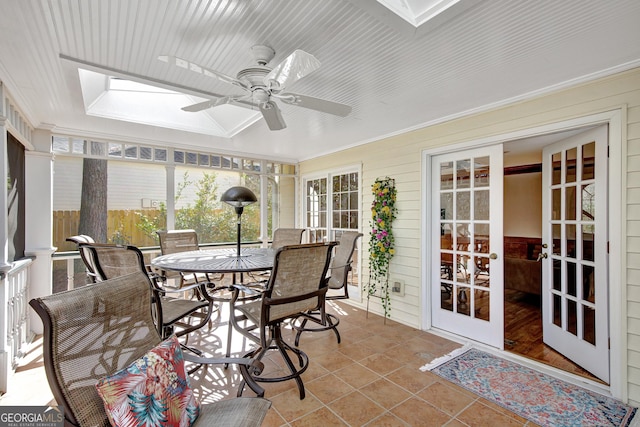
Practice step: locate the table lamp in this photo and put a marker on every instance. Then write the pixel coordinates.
(239, 197)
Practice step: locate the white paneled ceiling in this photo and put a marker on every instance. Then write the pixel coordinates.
(394, 75)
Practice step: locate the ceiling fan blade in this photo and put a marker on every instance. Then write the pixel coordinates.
(317, 104)
(194, 108)
(272, 115)
(191, 66)
(293, 68)
(239, 101)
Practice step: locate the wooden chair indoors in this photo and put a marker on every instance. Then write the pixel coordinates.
(338, 280)
(99, 331)
(286, 236)
(117, 260)
(297, 284)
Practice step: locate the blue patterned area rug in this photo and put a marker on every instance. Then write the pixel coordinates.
(533, 395)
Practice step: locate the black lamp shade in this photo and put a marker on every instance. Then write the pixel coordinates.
(239, 197)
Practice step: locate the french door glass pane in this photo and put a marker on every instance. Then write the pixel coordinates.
(573, 230)
(464, 237)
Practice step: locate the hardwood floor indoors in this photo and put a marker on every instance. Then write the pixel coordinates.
(523, 333)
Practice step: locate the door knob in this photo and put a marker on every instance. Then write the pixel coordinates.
(541, 256)
(493, 256)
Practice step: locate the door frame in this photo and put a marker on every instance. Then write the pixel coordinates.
(617, 275)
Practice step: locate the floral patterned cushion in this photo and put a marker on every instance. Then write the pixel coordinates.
(152, 391)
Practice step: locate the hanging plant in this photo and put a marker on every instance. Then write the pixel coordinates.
(381, 250)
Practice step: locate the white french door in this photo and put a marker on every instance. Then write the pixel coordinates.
(575, 317)
(466, 285)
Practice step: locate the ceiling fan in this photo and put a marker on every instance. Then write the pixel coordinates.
(264, 85)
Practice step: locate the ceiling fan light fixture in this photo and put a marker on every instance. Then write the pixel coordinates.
(260, 96)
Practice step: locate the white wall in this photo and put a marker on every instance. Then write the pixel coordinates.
(523, 205)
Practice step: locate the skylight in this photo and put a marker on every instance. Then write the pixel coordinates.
(130, 101)
(116, 83)
(417, 12)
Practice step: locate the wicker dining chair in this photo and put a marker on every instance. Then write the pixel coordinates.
(297, 284)
(99, 329)
(338, 280)
(118, 260)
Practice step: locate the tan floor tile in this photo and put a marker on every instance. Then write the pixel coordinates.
(356, 375)
(417, 412)
(409, 357)
(333, 360)
(381, 342)
(273, 419)
(274, 389)
(318, 347)
(328, 388)
(481, 415)
(500, 409)
(455, 423)
(385, 393)
(289, 405)
(355, 335)
(445, 398)
(381, 364)
(458, 388)
(359, 350)
(315, 370)
(322, 417)
(412, 379)
(387, 420)
(356, 409)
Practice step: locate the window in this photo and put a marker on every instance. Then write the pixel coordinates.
(325, 220)
(136, 191)
(331, 206)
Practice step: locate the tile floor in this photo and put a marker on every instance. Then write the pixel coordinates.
(370, 379)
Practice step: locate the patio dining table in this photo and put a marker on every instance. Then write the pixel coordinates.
(220, 260)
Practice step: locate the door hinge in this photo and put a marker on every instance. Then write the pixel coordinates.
(607, 151)
(607, 246)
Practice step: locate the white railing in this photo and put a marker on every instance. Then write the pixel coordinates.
(149, 252)
(15, 333)
(71, 257)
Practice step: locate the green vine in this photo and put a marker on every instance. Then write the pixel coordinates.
(381, 250)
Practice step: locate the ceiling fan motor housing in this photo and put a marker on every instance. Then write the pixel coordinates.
(254, 76)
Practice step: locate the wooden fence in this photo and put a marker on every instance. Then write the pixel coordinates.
(121, 228)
